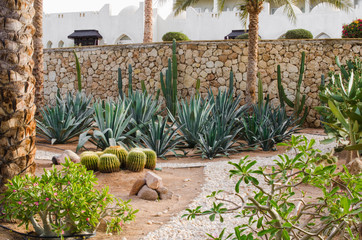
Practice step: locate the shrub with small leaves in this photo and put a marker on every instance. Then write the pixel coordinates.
(298, 34)
(178, 36)
(64, 202)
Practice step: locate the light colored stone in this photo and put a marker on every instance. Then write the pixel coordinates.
(72, 156)
(137, 186)
(147, 193)
(153, 181)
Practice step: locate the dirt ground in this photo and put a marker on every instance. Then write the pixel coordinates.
(185, 183)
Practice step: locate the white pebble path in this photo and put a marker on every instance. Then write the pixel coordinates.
(216, 178)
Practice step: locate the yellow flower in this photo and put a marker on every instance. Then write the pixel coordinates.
(356, 21)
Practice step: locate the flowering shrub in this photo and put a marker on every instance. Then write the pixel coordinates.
(64, 202)
(353, 30)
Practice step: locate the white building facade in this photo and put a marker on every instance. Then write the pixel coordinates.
(201, 22)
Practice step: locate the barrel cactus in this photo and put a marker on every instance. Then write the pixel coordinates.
(136, 160)
(86, 152)
(90, 161)
(151, 158)
(120, 152)
(99, 154)
(108, 163)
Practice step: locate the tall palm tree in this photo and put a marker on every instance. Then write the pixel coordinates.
(38, 70)
(148, 28)
(251, 9)
(17, 108)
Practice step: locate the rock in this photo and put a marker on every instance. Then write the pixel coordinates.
(153, 181)
(166, 196)
(187, 180)
(72, 156)
(147, 193)
(59, 159)
(162, 190)
(355, 166)
(137, 186)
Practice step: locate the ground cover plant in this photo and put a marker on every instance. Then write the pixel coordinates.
(64, 203)
(275, 211)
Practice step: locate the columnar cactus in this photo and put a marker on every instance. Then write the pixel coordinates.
(136, 160)
(120, 152)
(108, 163)
(90, 161)
(151, 158)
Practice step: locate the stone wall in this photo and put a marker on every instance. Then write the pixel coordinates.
(209, 61)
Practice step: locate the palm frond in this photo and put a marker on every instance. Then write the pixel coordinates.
(181, 5)
(344, 5)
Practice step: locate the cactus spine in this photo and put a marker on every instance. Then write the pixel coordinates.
(90, 161)
(299, 102)
(108, 163)
(120, 152)
(169, 86)
(136, 160)
(151, 158)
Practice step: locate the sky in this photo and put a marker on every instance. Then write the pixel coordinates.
(56, 6)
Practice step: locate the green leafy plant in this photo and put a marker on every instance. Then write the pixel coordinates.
(299, 101)
(352, 30)
(79, 72)
(193, 117)
(178, 36)
(64, 202)
(298, 34)
(274, 211)
(244, 36)
(160, 137)
(342, 109)
(169, 85)
(112, 120)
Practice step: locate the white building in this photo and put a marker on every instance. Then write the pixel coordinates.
(200, 22)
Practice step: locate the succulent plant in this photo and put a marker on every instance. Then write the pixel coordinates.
(99, 154)
(85, 153)
(151, 158)
(90, 161)
(108, 163)
(120, 152)
(136, 160)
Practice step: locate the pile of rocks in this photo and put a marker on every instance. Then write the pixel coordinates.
(60, 158)
(150, 188)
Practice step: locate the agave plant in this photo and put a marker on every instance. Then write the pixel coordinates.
(161, 137)
(112, 120)
(67, 119)
(218, 138)
(192, 117)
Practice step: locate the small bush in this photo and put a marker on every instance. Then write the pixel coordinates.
(178, 36)
(353, 30)
(298, 34)
(244, 36)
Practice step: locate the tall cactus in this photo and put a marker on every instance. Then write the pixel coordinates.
(120, 84)
(130, 80)
(299, 103)
(169, 85)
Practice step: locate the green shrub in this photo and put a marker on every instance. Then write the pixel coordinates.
(64, 202)
(298, 34)
(178, 36)
(244, 36)
(353, 30)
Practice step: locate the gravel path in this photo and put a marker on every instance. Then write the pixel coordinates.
(216, 177)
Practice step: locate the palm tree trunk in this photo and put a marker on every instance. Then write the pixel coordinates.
(252, 55)
(38, 54)
(17, 108)
(148, 31)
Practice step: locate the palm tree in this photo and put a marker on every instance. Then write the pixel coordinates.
(38, 53)
(17, 108)
(148, 28)
(251, 9)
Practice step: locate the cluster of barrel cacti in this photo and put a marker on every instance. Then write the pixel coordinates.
(115, 158)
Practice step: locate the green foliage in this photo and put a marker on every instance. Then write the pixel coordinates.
(192, 117)
(111, 121)
(169, 85)
(120, 84)
(352, 30)
(109, 163)
(66, 201)
(151, 158)
(90, 161)
(244, 36)
(274, 211)
(298, 34)
(79, 73)
(67, 119)
(160, 137)
(120, 152)
(266, 126)
(299, 101)
(136, 160)
(178, 36)
(342, 105)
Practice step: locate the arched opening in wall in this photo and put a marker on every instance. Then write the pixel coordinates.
(322, 36)
(49, 44)
(60, 44)
(124, 39)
